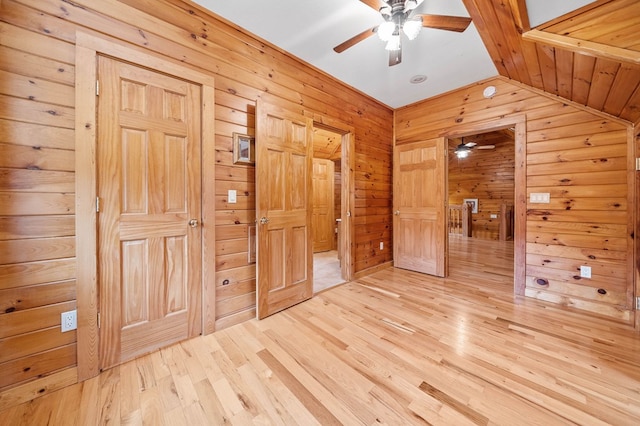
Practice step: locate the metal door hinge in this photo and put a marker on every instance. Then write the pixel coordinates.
(98, 319)
(97, 88)
(638, 164)
(637, 303)
(97, 204)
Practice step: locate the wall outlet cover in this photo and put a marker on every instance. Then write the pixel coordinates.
(585, 271)
(68, 321)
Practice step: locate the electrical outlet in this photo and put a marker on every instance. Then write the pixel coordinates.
(493, 216)
(381, 245)
(68, 321)
(585, 271)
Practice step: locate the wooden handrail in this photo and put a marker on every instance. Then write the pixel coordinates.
(459, 219)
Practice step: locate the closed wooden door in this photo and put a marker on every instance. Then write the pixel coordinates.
(283, 199)
(419, 198)
(322, 222)
(149, 242)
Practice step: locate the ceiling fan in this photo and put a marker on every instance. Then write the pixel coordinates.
(399, 18)
(464, 149)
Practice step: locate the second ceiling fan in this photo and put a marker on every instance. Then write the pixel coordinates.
(399, 18)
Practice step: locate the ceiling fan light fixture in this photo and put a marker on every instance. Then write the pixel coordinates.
(462, 150)
(411, 4)
(393, 43)
(386, 30)
(412, 28)
(385, 11)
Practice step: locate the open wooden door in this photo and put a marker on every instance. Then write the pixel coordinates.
(149, 239)
(419, 198)
(284, 153)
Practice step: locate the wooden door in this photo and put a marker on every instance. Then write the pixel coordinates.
(149, 242)
(283, 199)
(419, 197)
(322, 222)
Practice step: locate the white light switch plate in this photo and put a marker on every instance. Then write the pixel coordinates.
(585, 271)
(540, 197)
(232, 196)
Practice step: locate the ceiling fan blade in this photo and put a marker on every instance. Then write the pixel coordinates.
(355, 39)
(446, 22)
(470, 144)
(395, 57)
(485, 147)
(374, 4)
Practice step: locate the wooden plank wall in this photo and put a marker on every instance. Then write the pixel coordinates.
(602, 74)
(487, 175)
(37, 181)
(581, 159)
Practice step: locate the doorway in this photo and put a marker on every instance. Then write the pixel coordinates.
(327, 208)
(481, 203)
(332, 187)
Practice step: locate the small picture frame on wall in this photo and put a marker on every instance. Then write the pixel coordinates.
(474, 204)
(243, 149)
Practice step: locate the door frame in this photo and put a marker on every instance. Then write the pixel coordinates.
(87, 49)
(634, 201)
(518, 122)
(347, 190)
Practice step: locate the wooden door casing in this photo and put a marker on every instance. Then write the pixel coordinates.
(149, 174)
(419, 197)
(323, 222)
(283, 199)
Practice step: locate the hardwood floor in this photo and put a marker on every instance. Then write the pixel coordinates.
(396, 347)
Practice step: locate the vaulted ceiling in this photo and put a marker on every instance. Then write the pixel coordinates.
(590, 56)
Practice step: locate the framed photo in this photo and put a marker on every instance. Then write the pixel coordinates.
(474, 204)
(243, 149)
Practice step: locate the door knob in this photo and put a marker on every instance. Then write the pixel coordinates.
(264, 221)
(397, 213)
(193, 223)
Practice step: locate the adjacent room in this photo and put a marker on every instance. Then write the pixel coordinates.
(304, 212)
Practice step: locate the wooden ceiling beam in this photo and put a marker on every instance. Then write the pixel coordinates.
(583, 46)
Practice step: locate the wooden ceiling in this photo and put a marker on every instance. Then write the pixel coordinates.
(591, 56)
(496, 138)
(326, 144)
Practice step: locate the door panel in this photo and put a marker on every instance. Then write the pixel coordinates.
(283, 192)
(149, 189)
(419, 206)
(323, 222)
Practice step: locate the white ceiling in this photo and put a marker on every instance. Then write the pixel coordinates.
(309, 29)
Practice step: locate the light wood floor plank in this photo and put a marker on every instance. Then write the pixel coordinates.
(396, 347)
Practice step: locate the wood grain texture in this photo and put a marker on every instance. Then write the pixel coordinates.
(39, 124)
(487, 175)
(395, 347)
(559, 56)
(587, 181)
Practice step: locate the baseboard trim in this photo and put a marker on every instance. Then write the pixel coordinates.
(372, 270)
